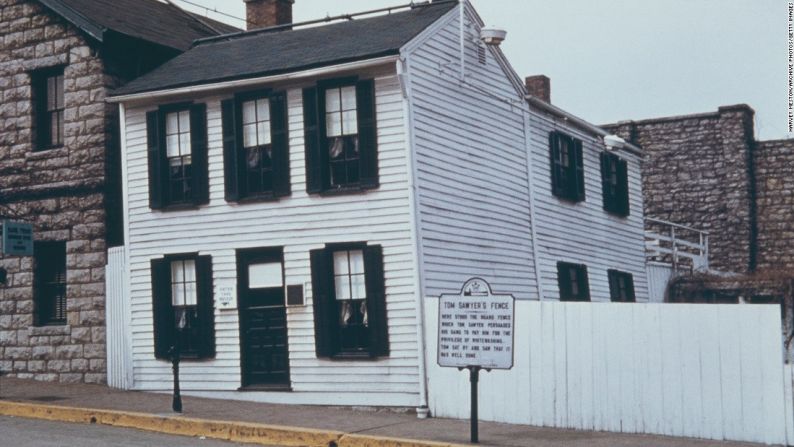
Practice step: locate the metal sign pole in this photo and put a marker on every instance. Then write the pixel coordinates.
(474, 378)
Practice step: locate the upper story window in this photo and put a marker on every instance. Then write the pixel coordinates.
(621, 286)
(49, 279)
(48, 108)
(177, 154)
(340, 136)
(182, 305)
(573, 282)
(349, 301)
(567, 167)
(615, 183)
(256, 146)
(178, 151)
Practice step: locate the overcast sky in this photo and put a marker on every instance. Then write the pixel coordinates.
(612, 60)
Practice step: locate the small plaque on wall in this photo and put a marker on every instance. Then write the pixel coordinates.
(295, 295)
(226, 294)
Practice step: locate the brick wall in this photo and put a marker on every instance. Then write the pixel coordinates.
(774, 163)
(697, 171)
(61, 191)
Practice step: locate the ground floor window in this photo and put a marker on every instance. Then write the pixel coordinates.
(182, 304)
(349, 301)
(49, 283)
(621, 286)
(572, 279)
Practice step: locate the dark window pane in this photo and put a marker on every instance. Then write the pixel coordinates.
(50, 282)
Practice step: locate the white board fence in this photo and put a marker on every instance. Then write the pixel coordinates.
(659, 276)
(694, 370)
(117, 320)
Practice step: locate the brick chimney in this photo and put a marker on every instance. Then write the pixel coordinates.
(539, 86)
(267, 13)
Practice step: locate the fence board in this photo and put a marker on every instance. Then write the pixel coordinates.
(117, 317)
(711, 371)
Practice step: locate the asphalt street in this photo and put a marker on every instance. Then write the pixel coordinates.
(19, 432)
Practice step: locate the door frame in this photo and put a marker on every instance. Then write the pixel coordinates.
(243, 258)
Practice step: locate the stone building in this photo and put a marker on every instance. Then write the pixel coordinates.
(708, 171)
(59, 169)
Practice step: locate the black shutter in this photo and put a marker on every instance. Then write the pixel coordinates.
(206, 309)
(563, 281)
(584, 284)
(231, 153)
(623, 187)
(198, 154)
(313, 148)
(367, 133)
(376, 301)
(322, 302)
(162, 310)
(605, 181)
(554, 155)
(578, 173)
(156, 160)
(630, 288)
(614, 285)
(280, 144)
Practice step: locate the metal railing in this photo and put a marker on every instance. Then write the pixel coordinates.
(682, 246)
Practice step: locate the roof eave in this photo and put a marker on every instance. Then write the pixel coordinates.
(248, 82)
(93, 30)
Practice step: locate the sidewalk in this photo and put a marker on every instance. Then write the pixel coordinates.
(353, 426)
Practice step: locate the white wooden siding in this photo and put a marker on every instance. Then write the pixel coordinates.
(695, 370)
(471, 169)
(583, 232)
(298, 223)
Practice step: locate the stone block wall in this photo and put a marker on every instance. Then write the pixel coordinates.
(774, 163)
(61, 191)
(697, 171)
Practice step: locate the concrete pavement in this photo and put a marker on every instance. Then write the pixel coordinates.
(288, 424)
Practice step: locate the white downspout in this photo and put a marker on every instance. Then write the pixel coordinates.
(416, 239)
(126, 306)
(531, 197)
(462, 17)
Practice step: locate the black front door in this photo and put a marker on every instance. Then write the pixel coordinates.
(263, 318)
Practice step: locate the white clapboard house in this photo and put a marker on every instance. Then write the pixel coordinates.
(300, 190)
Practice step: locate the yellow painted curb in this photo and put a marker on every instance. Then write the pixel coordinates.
(349, 440)
(245, 432)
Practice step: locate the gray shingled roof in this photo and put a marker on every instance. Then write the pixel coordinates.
(273, 52)
(149, 20)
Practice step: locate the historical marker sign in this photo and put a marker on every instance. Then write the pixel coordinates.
(475, 328)
(17, 238)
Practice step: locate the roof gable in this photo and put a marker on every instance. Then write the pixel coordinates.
(250, 55)
(149, 20)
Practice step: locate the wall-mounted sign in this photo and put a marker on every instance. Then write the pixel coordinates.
(295, 295)
(17, 238)
(475, 328)
(226, 294)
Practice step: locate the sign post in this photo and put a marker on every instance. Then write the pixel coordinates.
(475, 332)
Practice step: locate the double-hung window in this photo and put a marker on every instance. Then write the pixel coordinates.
(256, 146)
(349, 301)
(573, 282)
(567, 167)
(621, 286)
(49, 283)
(48, 108)
(340, 136)
(182, 304)
(615, 184)
(177, 155)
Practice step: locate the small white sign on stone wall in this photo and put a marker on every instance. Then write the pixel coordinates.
(475, 328)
